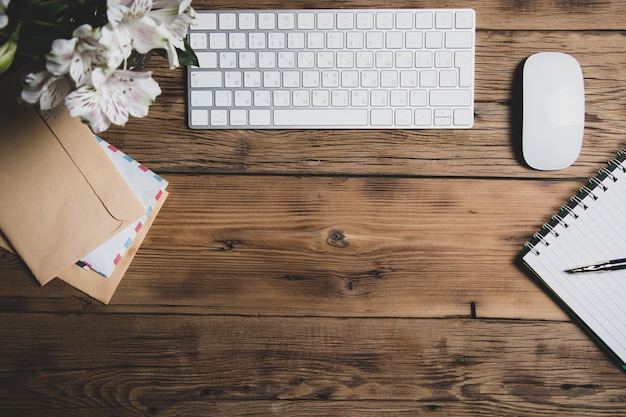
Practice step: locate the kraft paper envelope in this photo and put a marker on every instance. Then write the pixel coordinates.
(92, 283)
(60, 194)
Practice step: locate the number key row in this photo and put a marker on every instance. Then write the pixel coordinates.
(331, 40)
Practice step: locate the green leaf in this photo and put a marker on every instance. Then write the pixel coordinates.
(51, 9)
(188, 56)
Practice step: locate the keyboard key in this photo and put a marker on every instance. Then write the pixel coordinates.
(463, 117)
(247, 21)
(403, 117)
(424, 20)
(444, 20)
(434, 40)
(205, 21)
(464, 20)
(404, 20)
(267, 21)
(237, 40)
(381, 117)
(295, 40)
(447, 98)
(260, 117)
(227, 21)
(306, 20)
(384, 20)
(418, 98)
(199, 118)
(217, 41)
(316, 40)
(325, 20)
(206, 79)
(404, 59)
(374, 40)
(345, 20)
(365, 20)
(321, 118)
(207, 59)
(219, 117)
(198, 41)
(463, 60)
(202, 98)
(238, 117)
(461, 39)
(256, 40)
(423, 117)
(286, 21)
(414, 40)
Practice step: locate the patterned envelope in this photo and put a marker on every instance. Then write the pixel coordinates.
(149, 189)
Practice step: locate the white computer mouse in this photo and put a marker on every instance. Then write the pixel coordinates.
(553, 117)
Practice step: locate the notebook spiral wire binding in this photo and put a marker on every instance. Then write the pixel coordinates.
(590, 189)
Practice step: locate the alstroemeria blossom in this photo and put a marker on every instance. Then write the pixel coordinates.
(175, 16)
(79, 55)
(91, 72)
(130, 27)
(45, 88)
(112, 98)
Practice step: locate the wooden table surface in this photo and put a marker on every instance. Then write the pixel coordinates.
(356, 273)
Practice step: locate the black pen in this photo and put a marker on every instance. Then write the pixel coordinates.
(612, 265)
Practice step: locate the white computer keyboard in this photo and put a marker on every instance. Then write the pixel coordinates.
(332, 69)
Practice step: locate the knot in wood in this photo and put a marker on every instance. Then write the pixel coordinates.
(337, 239)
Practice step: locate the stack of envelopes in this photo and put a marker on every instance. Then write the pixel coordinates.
(71, 205)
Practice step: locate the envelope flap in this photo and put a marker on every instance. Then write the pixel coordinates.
(97, 168)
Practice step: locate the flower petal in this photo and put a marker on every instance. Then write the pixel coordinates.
(60, 56)
(4, 19)
(33, 85)
(113, 98)
(147, 35)
(54, 92)
(138, 90)
(85, 103)
(118, 42)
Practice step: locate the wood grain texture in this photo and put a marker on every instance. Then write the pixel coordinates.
(203, 365)
(284, 245)
(337, 273)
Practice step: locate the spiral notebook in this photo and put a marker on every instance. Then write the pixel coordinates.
(589, 229)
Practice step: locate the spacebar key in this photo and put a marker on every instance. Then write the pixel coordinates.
(320, 117)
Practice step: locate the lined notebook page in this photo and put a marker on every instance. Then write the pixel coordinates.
(591, 228)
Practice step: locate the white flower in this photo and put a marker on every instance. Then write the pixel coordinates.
(4, 19)
(46, 89)
(130, 27)
(112, 98)
(79, 55)
(175, 16)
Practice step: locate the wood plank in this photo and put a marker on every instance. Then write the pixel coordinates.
(171, 365)
(503, 15)
(325, 246)
(490, 149)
